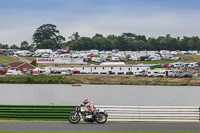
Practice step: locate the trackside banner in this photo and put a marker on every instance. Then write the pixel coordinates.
(59, 61)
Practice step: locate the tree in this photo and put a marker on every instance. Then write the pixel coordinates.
(97, 35)
(4, 46)
(14, 46)
(24, 45)
(193, 43)
(46, 32)
(84, 43)
(75, 36)
(153, 43)
(100, 43)
(48, 44)
(141, 37)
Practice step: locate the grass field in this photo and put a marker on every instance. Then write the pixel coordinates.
(5, 60)
(189, 58)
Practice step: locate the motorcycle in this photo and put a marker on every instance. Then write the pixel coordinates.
(99, 116)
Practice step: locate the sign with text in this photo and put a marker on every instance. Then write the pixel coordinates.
(59, 61)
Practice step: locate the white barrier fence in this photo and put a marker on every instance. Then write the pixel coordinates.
(152, 113)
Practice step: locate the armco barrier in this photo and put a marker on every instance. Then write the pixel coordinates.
(35, 112)
(152, 113)
(115, 113)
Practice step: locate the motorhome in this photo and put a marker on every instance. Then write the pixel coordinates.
(162, 73)
(38, 71)
(150, 73)
(13, 73)
(155, 73)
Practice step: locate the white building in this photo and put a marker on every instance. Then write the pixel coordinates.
(106, 69)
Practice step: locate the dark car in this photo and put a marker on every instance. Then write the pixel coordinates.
(186, 75)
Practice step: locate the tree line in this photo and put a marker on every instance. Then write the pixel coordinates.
(48, 37)
(133, 42)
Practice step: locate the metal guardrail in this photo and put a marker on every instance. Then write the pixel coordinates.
(115, 113)
(152, 113)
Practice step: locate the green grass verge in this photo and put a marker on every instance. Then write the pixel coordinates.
(5, 60)
(96, 79)
(30, 58)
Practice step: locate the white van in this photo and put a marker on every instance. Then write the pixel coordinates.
(13, 73)
(66, 72)
(150, 73)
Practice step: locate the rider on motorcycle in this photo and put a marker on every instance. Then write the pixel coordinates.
(90, 106)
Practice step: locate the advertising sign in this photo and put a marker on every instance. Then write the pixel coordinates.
(59, 61)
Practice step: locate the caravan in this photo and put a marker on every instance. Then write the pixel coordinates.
(193, 65)
(168, 73)
(177, 73)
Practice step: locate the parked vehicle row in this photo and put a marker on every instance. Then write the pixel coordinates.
(150, 73)
(164, 73)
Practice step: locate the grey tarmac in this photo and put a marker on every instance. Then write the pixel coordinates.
(94, 127)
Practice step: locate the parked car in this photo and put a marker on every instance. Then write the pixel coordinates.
(129, 73)
(138, 73)
(186, 75)
(76, 72)
(45, 55)
(29, 54)
(37, 55)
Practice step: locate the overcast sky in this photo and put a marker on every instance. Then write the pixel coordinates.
(152, 18)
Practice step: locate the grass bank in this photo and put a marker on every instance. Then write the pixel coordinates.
(5, 60)
(100, 79)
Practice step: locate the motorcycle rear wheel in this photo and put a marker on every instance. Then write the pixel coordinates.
(74, 119)
(101, 118)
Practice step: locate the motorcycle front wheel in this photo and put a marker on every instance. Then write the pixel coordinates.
(74, 118)
(101, 118)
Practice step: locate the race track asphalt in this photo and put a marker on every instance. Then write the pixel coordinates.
(94, 127)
